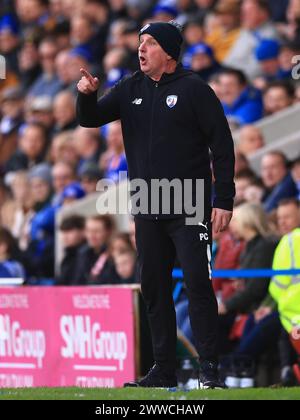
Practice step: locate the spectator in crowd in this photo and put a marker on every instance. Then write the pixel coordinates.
(130, 43)
(113, 161)
(28, 61)
(241, 162)
(193, 32)
(71, 193)
(227, 257)
(227, 30)
(288, 215)
(276, 179)
(89, 145)
(120, 243)
(285, 290)
(64, 111)
(200, 58)
(289, 29)
(115, 59)
(255, 24)
(267, 54)
(34, 13)
(63, 174)
(39, 256)
(72, 234)
(62, 69)
(296, 175)
(243, 180)
(12, 102)
(40, 110)
(99, 14)
(89, 175)
(288, 50)
(10, 41)
(83, 34)
(91, 266)
(138, 9)
(9, 267)
(249, 223)
(262, 330)
(250, 139)
(31, 149)
(254, 192)
(125, 263)
(278, 96)
(242, 103)
(205, 9)
(47, 83)
(17, 213)
(164, 12)
(63, 148)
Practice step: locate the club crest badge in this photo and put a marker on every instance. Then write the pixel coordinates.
(171, 100)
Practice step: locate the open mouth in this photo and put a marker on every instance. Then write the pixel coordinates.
(142, 60)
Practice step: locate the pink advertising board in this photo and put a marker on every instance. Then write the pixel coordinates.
(66, 336)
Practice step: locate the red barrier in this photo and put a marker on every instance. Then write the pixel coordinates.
(66, 336)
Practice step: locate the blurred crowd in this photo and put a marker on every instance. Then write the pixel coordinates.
(244, 49)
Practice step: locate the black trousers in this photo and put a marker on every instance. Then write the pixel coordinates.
(158, 242)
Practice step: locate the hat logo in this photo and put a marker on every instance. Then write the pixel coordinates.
(171, 100)
(145, 27)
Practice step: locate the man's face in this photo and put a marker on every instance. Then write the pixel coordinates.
(152, 57)
(48, 53)
(288, 218)
(201, 61)
(273, 170)
(276, 99)
(40, 190)
(230, 88)
(241, 185)
(32, 142)
(72, 237)
(95, 233)
(62, 176)
(124, 265)
(252, 15)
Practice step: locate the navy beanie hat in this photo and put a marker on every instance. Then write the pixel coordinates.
(167, 34)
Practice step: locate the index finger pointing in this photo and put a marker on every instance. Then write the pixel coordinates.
(88, 75)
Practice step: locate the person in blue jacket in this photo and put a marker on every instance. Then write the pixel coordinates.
(9, 267)
(242, 103)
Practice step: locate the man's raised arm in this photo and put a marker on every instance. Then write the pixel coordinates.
(93, 113)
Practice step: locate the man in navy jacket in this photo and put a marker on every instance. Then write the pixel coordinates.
(170, 120)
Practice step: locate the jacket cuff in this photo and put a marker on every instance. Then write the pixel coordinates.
(223, 204)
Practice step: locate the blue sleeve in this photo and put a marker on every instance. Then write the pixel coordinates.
(250, 112)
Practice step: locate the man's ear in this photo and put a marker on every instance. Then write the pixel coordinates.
(169, 57)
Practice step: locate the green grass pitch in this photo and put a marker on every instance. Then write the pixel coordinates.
(147, 394)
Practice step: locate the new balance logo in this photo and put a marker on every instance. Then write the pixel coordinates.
(137, 101)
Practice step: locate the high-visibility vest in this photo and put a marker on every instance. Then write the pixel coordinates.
(285, 290)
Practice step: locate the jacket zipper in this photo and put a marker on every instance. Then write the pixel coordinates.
(151, 125)
(151, 134)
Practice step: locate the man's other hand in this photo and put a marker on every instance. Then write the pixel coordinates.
(220, 219)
